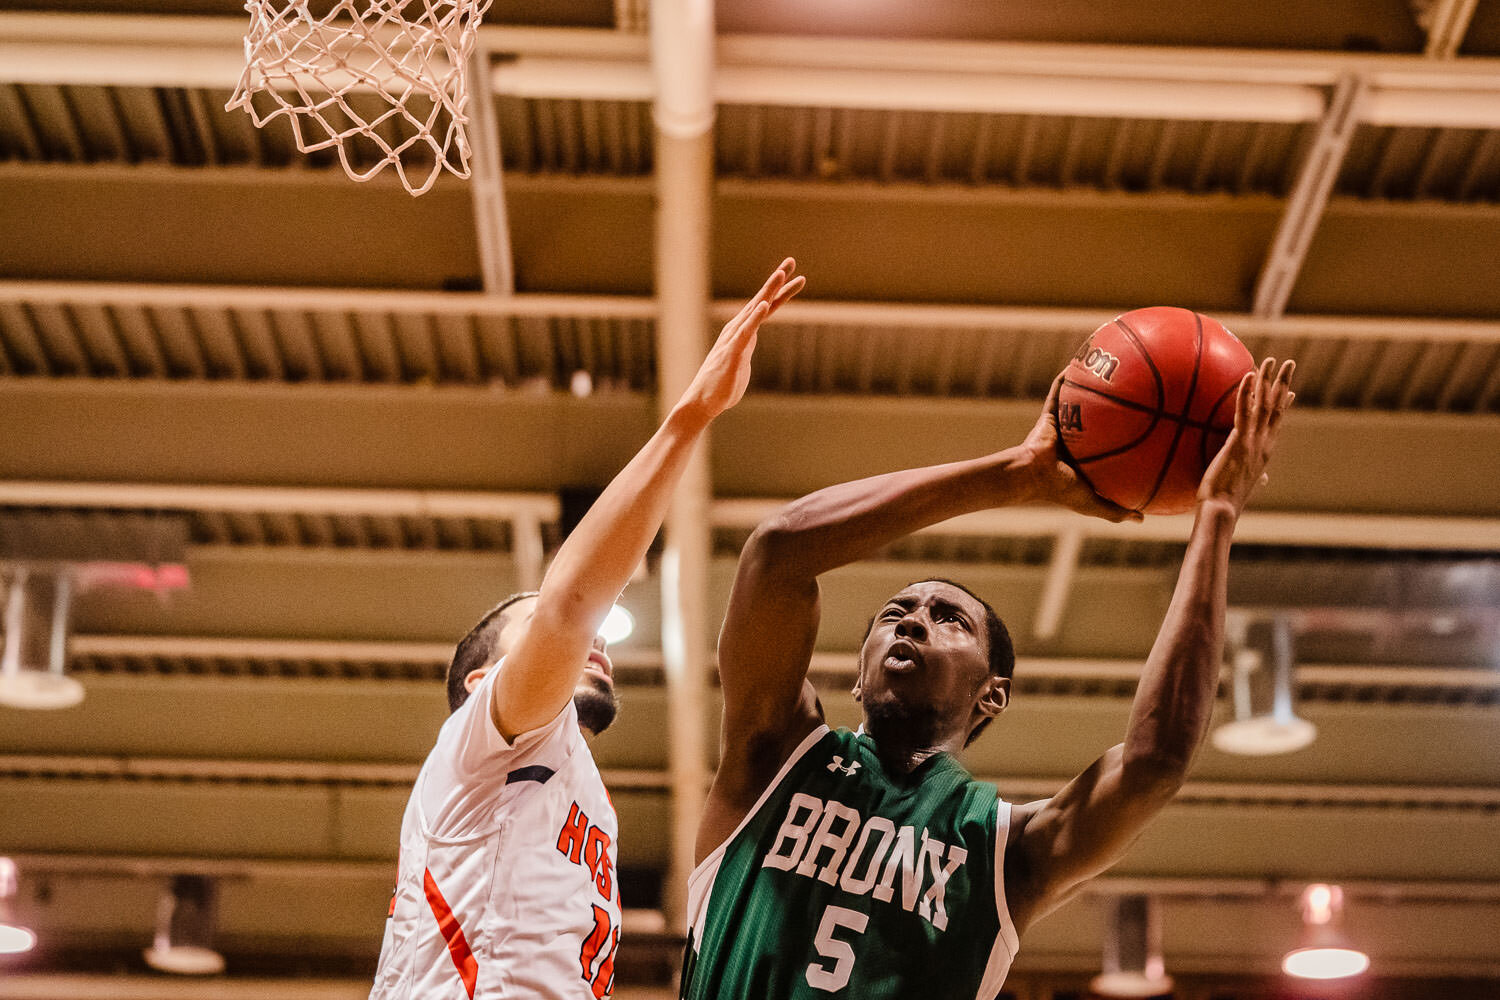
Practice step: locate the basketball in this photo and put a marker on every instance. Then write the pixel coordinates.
(1147, 402)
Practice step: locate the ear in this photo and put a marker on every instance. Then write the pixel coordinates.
(994, 696)
(473, 677)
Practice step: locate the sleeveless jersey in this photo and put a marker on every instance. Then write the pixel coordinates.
(506, 884)
(848, 881)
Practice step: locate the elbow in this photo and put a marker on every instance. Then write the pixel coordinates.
(1157, 775)
(777, 540)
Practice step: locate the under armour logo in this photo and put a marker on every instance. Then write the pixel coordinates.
(839, 765)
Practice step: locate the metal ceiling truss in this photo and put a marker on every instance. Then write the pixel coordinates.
(190, 770)
(486, 186)
(1446, 22)
(355, 336)
(162, 656)
(1134, 81)
(1304, 208)
(1333, 530)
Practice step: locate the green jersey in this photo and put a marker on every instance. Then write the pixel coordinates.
(850, 881)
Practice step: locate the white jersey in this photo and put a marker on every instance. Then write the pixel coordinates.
(506, 886)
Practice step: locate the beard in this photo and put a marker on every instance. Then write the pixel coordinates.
(914, 725)
(596, 704)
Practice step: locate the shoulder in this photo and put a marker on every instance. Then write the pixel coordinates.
(1020, 816)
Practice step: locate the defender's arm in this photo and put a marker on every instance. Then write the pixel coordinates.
(596, 561)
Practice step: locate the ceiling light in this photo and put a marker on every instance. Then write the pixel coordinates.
(1323, 952)
(35, 652)
(1132, 965)
(185, 919)
(618, 625)
(1265, 717)
(14, 938)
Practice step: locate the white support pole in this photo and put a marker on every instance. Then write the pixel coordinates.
(1447, 23)
(1304, 208)
(529, 551)
(682, 43)
(487, 180)
(1049, 610)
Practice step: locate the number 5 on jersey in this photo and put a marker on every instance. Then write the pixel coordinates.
(834, 977)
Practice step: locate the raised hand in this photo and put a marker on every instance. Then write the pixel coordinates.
(1057, 481)
(725, 373)
(1240, 465)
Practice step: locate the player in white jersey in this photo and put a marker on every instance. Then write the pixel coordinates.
(506, 884)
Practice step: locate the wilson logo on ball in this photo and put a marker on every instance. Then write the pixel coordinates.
(1101, 363)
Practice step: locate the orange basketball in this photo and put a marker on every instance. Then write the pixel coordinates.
(1147, 402)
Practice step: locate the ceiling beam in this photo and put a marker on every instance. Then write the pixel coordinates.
(1309, 196)
(1398, 532)
(215, 770)
(293, 870)
(913, 315)
(1446, 23)
(1255, 527)
(1066, 548)
(937, 75)
(283, 500)
(487, 181)
(826, 665)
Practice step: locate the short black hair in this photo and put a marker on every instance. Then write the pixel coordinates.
(477, 649)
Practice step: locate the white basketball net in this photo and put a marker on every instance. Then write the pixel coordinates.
(381, 81)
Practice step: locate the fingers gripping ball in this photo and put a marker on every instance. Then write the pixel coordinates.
(1147, 402)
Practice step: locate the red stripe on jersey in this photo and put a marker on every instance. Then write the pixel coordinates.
(458, 945)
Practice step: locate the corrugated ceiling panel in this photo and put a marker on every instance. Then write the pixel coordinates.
(575, 136)
(308, 530)
(1019, 150)
(189, 127)
(48, 339)
(1409, 164)
(203, 344)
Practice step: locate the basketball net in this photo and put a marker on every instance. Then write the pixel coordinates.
(381, 81)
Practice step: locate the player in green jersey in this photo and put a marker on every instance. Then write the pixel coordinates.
(871, 865)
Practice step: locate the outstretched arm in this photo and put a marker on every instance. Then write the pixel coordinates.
(1060, 842)
(596, 561)
(772, 620)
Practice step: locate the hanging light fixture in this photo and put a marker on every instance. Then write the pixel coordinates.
(14, 936)
(1323, 951)
(185, 921)
(1265, 716)
(1132, 965)
(35, 653)
(618, 625)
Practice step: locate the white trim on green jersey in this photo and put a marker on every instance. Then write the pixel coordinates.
(847, 880)
(701, 881)
(1007, 942)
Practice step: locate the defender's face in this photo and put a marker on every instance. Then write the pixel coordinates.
(598, 678)
(926, 654)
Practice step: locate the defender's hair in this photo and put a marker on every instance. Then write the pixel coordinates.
(477, 649)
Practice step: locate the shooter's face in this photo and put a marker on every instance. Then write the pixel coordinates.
(925, 660)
